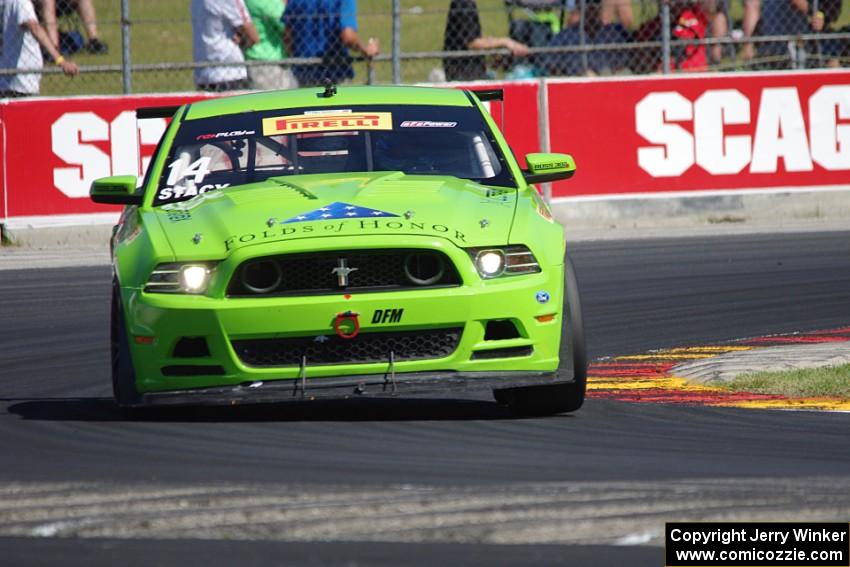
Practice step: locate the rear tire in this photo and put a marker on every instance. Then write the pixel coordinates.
(558, 398)
(123, 374)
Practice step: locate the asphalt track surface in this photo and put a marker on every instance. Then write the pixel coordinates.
(422, 482)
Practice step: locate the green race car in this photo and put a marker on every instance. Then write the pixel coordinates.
(318, 243)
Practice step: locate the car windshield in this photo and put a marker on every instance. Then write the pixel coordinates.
(211, 154)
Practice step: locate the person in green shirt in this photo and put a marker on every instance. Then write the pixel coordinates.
(266, 15)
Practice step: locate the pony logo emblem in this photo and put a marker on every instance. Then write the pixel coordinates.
(342, 271)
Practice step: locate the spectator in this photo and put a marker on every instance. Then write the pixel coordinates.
(326, 29)
(463, 32)
(599, 62)
(22, 36)
(613, 11)
(220, 28)
(692, 20)
(718, 13)
(51, 10)
(748, 27)
(266, 15)
(777, 18)
(610, 12)
(691, 23)
(833, 50)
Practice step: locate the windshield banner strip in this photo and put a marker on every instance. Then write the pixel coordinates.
(327, 122)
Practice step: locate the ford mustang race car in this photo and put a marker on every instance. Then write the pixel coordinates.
(341, 242)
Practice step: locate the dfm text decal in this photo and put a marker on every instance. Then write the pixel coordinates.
(382, 316)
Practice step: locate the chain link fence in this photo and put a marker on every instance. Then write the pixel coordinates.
(135, 46)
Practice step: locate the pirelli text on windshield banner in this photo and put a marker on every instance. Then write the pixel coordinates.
(757, 544)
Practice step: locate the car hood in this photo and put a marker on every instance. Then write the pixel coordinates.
(214, 224)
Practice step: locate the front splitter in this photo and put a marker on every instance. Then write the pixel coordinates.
(346, 387)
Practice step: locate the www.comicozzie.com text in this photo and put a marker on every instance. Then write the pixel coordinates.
(727, 536)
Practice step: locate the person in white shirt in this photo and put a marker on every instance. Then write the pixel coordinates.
(22, 42)
(220, 30)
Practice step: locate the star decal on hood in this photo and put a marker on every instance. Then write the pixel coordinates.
(339, 210)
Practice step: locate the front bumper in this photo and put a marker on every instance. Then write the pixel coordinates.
(162, 320)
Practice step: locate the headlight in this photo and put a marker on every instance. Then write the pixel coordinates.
(490, 263)
(180, 278)
(194, 279)
(504, 261)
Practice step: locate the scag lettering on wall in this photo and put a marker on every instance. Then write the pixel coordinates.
(327, 122)
(781, 132)
(77, 139)
(383, 316)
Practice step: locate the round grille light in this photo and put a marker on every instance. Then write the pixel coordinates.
(261, 276)
(424, 268)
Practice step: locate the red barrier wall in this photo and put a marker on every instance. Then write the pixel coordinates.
(56, 147)
(629, 136)
(710, 132)
(3, 161)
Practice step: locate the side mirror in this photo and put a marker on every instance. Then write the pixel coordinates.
(543, 168)
(115, 190)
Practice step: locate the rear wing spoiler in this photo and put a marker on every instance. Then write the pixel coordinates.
(156, 112)
(490, 94)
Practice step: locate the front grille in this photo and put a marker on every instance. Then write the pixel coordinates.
(364, 348)
(364, 270)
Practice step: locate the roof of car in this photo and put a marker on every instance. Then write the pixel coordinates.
(313, 98)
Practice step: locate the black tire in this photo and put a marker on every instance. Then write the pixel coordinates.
(123, 374)
(558, 398)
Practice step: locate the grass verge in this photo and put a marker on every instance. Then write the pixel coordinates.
(830, 381)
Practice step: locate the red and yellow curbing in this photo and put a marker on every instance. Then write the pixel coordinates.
(650, 377)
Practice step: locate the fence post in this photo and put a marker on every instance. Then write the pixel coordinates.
(396, 42)
(665, 36)
(543, 129)
(125, 46)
